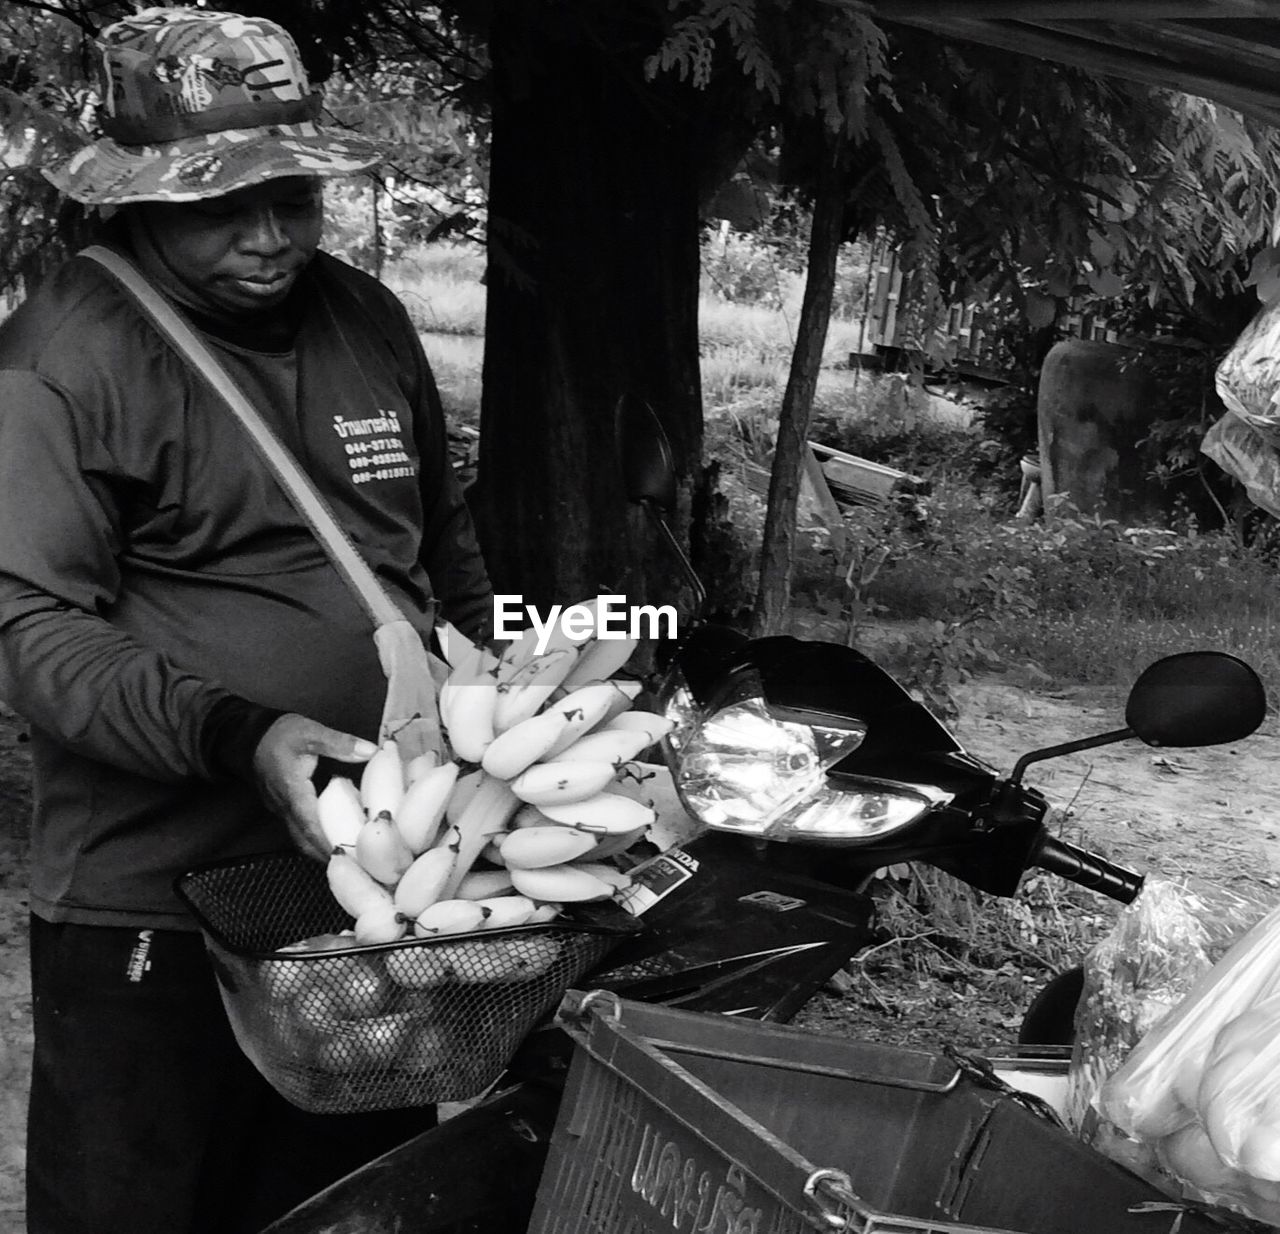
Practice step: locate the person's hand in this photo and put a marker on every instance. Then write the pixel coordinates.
(285, 761)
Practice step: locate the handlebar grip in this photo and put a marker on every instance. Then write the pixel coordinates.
(1078, 865)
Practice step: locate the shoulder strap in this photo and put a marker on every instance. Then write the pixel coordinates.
(295, 482)
(410, 712)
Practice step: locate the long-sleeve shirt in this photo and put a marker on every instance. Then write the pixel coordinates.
(158, 590)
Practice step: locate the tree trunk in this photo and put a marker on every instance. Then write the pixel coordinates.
(592, 296)
(773, 597)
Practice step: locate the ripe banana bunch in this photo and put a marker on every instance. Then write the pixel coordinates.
(532, 812)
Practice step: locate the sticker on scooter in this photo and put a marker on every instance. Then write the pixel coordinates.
(656, 879)
(774, 901)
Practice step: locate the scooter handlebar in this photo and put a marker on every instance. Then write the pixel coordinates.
(1078, 865)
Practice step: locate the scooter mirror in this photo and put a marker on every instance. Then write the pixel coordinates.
(644, 453)
(1196, 698)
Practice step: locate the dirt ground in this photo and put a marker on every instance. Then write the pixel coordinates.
(1214, 813)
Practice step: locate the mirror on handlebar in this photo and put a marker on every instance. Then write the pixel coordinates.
(644, 454)
(1193, 698)
(1196, 698)
(649, 477)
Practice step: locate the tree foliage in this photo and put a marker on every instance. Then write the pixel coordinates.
(45, 109)
(999, 177)
(1004, 178)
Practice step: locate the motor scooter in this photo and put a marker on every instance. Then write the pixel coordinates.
(807, 768)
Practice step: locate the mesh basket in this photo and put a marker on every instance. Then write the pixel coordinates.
(346, 1030)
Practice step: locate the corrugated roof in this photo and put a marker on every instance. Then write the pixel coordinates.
(1227, 50)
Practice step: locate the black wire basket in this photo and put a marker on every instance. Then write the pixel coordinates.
(343, 1029)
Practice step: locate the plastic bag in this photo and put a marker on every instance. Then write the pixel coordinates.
(1229, 1153)
(1160, 945)
(1241, 451)
(1155, 1091)
(1248, 376)
(1245, 442)
(1238, 1098)
(1195, 1107)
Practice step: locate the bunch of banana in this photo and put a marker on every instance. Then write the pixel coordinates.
(526, 816)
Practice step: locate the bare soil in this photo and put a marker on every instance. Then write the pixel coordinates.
(1212, 813)
(1208, 814)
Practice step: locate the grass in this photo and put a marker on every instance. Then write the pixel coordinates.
(456, 361)
(441, 288)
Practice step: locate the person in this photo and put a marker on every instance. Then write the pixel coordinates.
(171, 629)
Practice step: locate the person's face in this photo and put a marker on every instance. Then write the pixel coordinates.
(240, 253)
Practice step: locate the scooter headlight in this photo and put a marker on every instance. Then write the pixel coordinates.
(746, 768)
(679, 707)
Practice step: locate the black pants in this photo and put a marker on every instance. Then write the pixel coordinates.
(145, 1117)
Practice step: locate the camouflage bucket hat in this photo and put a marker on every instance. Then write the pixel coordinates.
(196, 104)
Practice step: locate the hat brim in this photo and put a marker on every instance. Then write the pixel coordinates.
(105, 173)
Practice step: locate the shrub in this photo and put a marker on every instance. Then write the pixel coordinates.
(441, 287)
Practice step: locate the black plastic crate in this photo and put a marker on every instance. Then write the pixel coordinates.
(356, 1029)
(677, 1121)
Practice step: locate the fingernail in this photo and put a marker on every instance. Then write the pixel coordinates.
(364, 749)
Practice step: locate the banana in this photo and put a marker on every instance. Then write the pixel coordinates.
(617, 879)
(483, 885)
(341, 814)
(561, 782)
(463, 791)
(528, 816)
(422, 810)
(611, 846)
(632, 780)
(656, 727)
(561, 884)
(489, 960)
(525, 647)
(517, 653)
(580, 641)
(454, 645)
(534, 956)
(485, 816)
(381, 850)
(506, 912)
(528, 689)
(382, 781)
(418, 766)
(606, 745)
(476, 665)
(601, 659)
(418, 968)
(472, 960)
(355, 889)
(534, 847)
(604, 814)
(544, 913)
(492, 851)
(321, 942)
(475, 662)
(628, 691)
(380, 924)
(449, 917)
(516, 748)
(479, 961)
(584, 708)
(423, 883)
(470, 723)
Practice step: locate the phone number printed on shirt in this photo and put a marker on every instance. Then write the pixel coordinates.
(374, 448)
